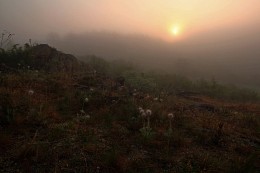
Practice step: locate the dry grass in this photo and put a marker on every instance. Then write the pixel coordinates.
(45, 132)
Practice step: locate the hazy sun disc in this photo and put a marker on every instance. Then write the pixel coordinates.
(175, 30)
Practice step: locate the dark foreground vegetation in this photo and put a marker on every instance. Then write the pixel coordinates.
(61, 115)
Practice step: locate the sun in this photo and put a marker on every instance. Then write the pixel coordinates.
(175, 30)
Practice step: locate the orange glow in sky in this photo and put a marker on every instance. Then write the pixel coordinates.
(148, 17)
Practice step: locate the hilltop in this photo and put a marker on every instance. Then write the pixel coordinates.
(40, 57)
(58, 114)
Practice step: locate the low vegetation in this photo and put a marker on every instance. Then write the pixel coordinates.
(115, 118)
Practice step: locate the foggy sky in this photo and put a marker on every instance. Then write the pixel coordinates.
(219, 38)
(37, 18)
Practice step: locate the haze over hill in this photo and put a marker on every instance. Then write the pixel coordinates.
(227, 55)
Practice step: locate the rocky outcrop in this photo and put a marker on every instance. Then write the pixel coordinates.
(49, 59)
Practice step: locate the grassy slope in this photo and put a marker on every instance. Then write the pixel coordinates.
(47, 132)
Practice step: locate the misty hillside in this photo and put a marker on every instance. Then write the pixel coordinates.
(140, 86)
(233, 59)
(108, 116)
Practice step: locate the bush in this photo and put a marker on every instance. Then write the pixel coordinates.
(16, 57)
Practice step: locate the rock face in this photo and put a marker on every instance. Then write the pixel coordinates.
(49, 59)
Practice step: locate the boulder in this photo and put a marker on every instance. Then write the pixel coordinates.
(49, 59)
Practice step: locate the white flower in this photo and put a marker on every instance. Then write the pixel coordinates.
(140, 108)
(170, 115)
(86, 100)
(143, 115)
(30, 92)
(82, 111)
(148, 112)
(83, 118)
(141, 111)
